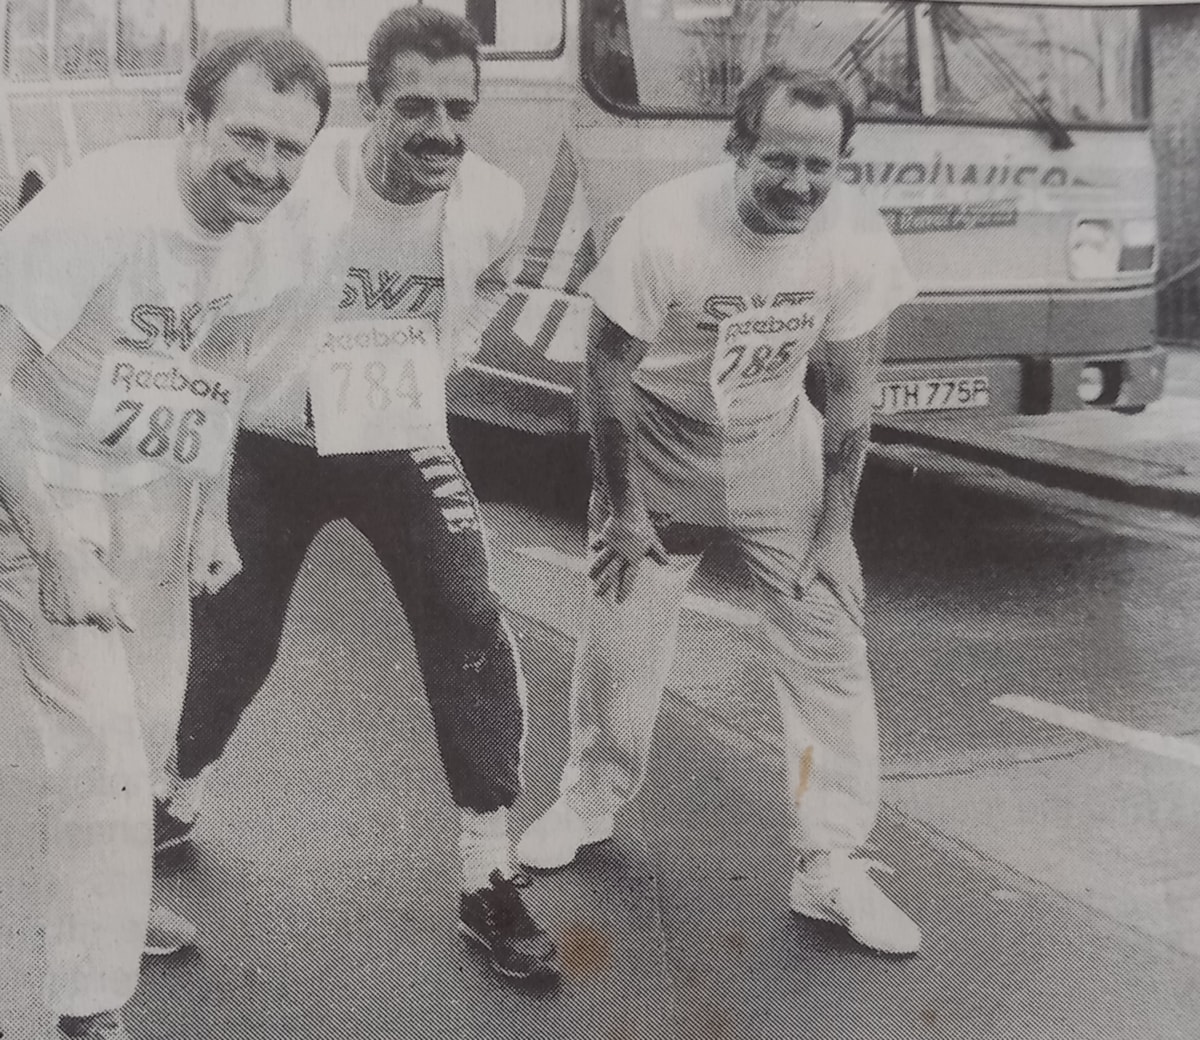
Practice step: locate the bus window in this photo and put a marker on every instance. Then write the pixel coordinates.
(512, 26)
(1083, 65)
(518, 27)
(214, 16)
(151, 35)
(690, 56)
(339, 31)
(81, 30)
(27, 43)
(529, 26)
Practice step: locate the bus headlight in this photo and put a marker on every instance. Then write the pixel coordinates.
(1139, 239)
(1091, 384)
(1094, 249)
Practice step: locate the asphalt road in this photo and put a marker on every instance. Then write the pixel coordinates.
(1032, 650)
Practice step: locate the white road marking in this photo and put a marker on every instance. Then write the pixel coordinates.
(709, 607)
(1103, 729)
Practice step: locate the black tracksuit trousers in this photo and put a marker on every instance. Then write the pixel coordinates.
(420, 515)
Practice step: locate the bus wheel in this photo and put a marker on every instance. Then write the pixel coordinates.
(31, 184)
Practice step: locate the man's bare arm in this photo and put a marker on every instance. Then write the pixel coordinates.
(629, 536)
(612, 358)
(850, 371)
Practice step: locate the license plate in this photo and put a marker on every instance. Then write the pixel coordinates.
(932, 395)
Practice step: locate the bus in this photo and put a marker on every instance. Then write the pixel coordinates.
(1007, 145)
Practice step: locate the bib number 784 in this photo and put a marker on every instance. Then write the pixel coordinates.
(378, 386)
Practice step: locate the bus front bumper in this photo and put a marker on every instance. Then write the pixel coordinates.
(946, 389)
(906, 392)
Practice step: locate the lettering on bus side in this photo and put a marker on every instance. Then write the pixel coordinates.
(914, 173)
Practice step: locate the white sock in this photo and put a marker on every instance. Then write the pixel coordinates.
(184, 797)
(484, 846)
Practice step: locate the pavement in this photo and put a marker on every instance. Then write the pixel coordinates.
(1151, 459)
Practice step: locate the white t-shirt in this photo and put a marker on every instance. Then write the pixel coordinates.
(730, 317)
(107, 266)
(382, 274)
(683, 261)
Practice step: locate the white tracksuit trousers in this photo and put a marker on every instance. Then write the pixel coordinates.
(93, 696)
(813, 647)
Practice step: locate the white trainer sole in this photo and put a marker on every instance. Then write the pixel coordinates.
(807, 905)
(546, 867)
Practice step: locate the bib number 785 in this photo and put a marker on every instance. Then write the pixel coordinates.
(764, 360)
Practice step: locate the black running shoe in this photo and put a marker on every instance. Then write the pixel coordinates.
(107, 1025)
(170, 831)
(497, 919)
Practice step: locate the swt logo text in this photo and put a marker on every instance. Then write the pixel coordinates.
(720, 307)
(392, 291)
(175, 329)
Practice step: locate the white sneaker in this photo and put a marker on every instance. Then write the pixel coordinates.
(554, 839)
(833, 887)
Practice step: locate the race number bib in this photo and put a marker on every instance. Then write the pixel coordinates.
(378, 386)
(758, 353)
(166, 410)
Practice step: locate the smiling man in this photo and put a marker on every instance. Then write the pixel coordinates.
(711, 297)
(406, 236)
(121, 376)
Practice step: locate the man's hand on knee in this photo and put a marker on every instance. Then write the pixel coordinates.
(76, 588)
(625, 541)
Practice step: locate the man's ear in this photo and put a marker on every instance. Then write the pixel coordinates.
(367, 104)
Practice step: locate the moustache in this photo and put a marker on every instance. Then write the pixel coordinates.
(426, 147)
(784, 199)
(244, 178)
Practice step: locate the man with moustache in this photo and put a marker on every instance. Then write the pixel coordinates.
(406, 235)
(122, 285)
(710, 298)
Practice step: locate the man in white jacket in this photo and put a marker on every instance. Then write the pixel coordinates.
(404, 236)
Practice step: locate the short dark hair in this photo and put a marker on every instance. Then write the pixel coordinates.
(430, 31)
(279, 54)
(813, 88)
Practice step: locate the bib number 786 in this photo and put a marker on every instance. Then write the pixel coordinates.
(149, 408)
(162, 431)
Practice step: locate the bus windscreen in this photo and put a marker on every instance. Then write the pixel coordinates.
(974, 63)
